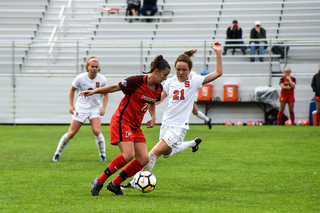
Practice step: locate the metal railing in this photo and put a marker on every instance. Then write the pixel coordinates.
(74, 54)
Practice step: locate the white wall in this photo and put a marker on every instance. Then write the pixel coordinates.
(40, 100)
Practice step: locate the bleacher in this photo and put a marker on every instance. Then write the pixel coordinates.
(85, 29)
(54, 38)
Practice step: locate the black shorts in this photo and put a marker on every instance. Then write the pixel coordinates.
(132, 6)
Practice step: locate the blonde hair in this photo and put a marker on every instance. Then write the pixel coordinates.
(92, 58)
(319, 69)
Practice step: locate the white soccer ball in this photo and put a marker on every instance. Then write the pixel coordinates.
(238, 123)
(145, 181)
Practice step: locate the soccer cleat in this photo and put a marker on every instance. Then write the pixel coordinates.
(115, 189)
(127, 186)
(96, 187)
(209, 123)
(56, 157)
(196, 147)
(103, 158)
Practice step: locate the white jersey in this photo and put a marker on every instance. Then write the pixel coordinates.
(82, 82)
(180, 99)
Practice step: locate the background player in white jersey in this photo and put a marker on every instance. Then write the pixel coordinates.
(86, 108)
(180, 91)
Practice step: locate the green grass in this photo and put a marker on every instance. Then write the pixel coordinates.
(237, 169)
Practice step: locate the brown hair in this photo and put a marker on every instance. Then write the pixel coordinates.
(319, 69)
(185, 57)
(158, 63)
(92, 58)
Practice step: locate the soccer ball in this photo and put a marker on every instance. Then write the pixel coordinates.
(287, 123)
(259, 123)
(299, 122)
(145, 182)
(305, 122)
(250, 123)
(239, 123)
(227, 123)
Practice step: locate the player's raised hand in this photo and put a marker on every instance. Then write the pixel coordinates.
(217, 47)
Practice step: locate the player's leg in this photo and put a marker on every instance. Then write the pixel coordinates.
(291, 110)
(159, 149)
(317, 100)
(290, 106)
(66, 138)
(280, 112)
(131, 169)
(127, 149)
(174, 137)
(117, 163)
(100, 141)
(148, 167)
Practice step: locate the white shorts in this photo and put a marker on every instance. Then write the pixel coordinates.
(173, 136)
(82, 117)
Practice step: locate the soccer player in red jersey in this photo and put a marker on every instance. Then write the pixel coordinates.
(287, 84)
(141, 93)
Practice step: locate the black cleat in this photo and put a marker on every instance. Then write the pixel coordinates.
(103, 158)
(96, 187)
(115, 189)
(209, 123)
(196, 147)
(127, 186)
(56, 157)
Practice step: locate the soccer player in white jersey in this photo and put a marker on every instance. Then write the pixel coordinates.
(180, 91)
(86, 108)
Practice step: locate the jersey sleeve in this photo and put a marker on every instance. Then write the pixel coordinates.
(199, 80)
(281, 80)
(167, 85)
(76, 82)
(129, 85)
(105, 82)
(161, 89)
(294, 79)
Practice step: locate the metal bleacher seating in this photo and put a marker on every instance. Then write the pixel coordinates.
(48, 42)
(88, 31)
(19, 24)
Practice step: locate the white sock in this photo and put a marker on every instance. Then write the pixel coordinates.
(148, 167)
(101, 144)
(64, 141)
(202, 116)
(185, 145)
(151, 163)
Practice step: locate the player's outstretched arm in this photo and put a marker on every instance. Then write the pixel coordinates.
(218, 72)
(163, 96)
(102, 90)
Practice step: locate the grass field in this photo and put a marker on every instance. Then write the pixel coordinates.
(236, 169)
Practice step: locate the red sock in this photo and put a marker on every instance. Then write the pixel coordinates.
(318, 118)
(116, 164)
(292, 117)
(279, 117)
(130, 170)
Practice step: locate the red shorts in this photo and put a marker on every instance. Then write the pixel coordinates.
(125, 133)
(286, 98)
(316, 98)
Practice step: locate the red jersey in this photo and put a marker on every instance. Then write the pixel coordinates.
(285, 81)
(137, 100)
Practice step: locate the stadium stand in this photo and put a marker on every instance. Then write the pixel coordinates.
(56, 37)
